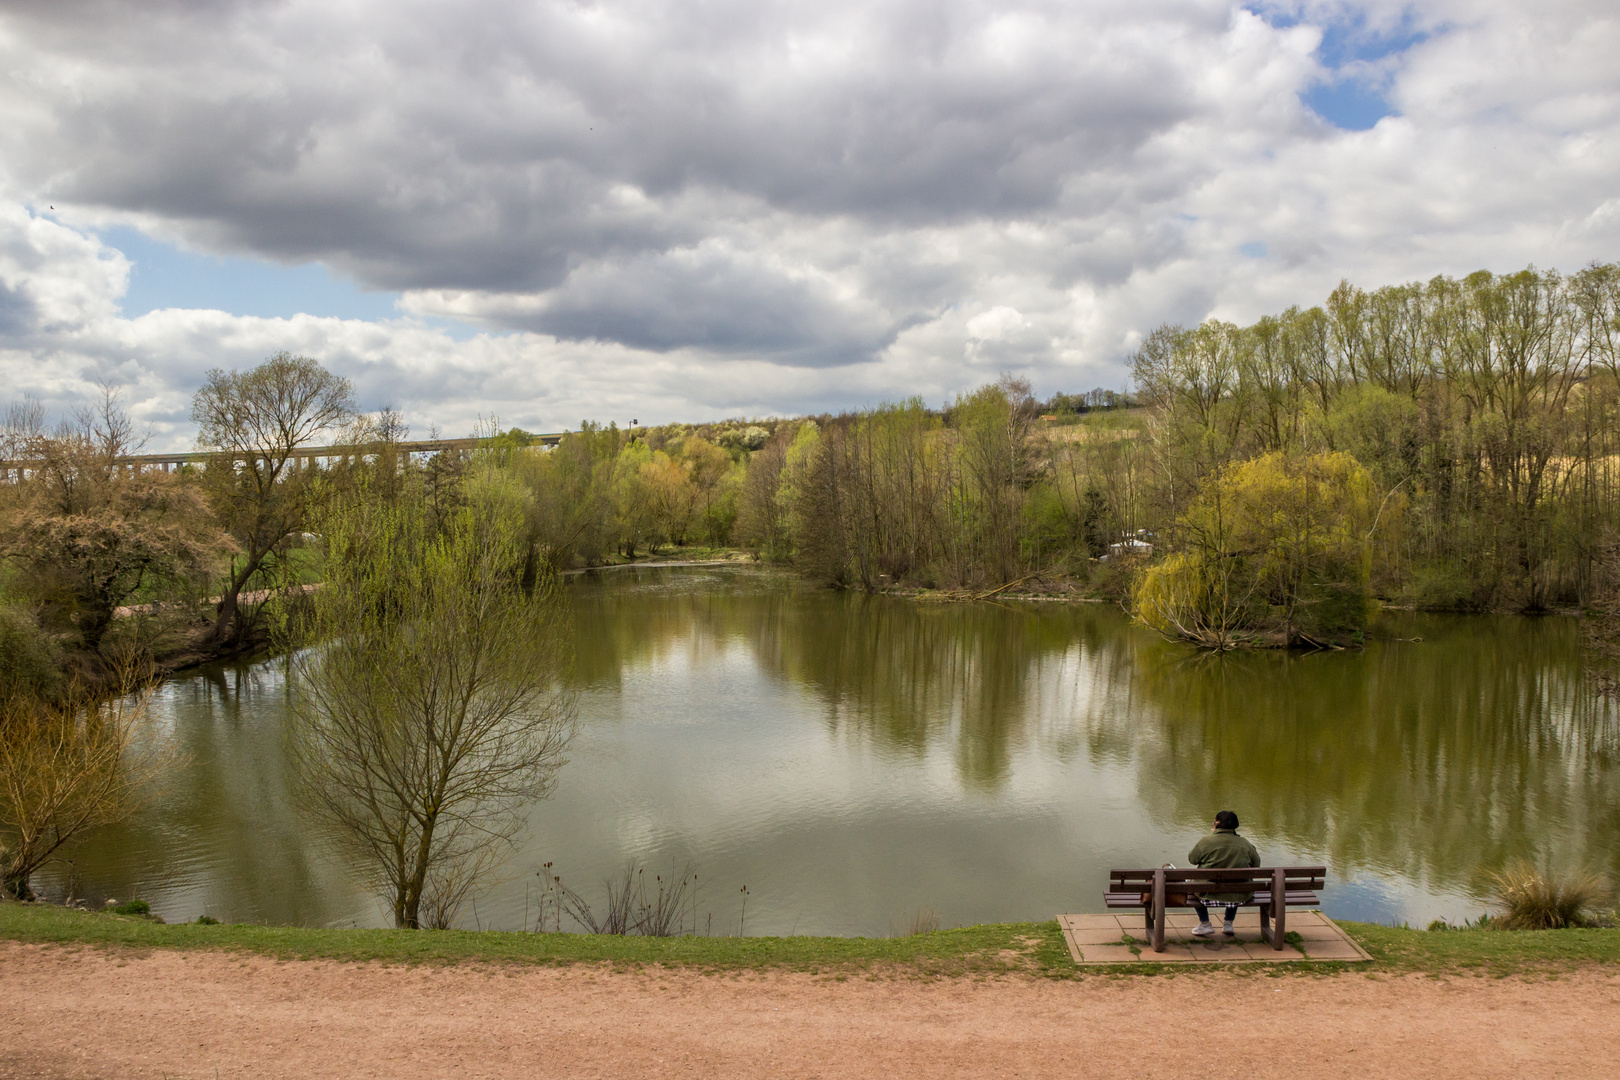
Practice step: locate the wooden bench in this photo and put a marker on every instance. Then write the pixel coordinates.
(1156, 890)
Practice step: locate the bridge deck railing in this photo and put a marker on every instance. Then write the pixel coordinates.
(11, 471)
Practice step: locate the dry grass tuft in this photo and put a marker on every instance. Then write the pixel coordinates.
(1533, 901)
(923, 921)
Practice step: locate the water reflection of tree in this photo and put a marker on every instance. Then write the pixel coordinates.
(992, 678)
(224, 827)
(635, 618)
(1432, 759)
(903, 675)
(1435, 760)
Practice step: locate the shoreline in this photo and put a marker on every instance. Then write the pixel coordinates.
(1035, 949)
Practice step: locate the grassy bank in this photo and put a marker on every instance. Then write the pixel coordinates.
(1486, 952)
(1003, 948)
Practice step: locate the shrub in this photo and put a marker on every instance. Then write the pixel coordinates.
(1441, 585)
(133, 907)
(665, 908)
(1533, 901)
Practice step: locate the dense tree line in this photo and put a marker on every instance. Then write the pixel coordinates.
(1450, 445)
(1483, 412)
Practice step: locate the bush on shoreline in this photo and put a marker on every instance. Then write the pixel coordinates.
(1532, 900)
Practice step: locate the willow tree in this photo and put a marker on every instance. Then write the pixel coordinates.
(436, 711)
(1278, 548)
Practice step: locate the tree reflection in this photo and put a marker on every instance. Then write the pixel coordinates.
(1433, 760)
(224, 839)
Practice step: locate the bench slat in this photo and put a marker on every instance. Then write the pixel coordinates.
(1214, 880)
(1294, 898)
(1248, 885)
(1219, 872)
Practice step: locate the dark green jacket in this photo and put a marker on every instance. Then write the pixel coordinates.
(1224, 849)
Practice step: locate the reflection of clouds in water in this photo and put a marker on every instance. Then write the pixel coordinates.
(1367, 897)
(641, 831)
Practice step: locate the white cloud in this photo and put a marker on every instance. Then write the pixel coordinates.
(669, 211)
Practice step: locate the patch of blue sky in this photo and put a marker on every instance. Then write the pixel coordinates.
(1348, 104)
(1254, 249)
(1346, 42)
(1352, 98)
(164, 276)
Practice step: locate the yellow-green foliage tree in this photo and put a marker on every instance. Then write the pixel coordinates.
(670, 496)
(572, 511)
(715, 479)
(632, 505)
(1277, 547)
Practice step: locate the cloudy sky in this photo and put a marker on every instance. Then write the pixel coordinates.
(550, 210)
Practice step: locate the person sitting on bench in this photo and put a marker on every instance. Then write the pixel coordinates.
(1222, 848)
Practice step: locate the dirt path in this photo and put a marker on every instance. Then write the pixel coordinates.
(93, 1013)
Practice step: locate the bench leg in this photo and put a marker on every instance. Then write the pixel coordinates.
(1158, 911)
(1279, 914)
(1265, 922)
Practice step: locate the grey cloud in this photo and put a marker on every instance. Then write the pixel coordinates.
(485, 146)
(715, 301)
(18, 314)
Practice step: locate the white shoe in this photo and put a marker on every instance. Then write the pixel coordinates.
(1229, 930)
(1203, 930)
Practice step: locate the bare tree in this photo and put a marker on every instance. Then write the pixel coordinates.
(24, 422)
(437, 710)
(256, 421)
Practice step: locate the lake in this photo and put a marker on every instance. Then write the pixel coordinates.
(851, 760)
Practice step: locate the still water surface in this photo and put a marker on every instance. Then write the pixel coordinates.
(853, 759)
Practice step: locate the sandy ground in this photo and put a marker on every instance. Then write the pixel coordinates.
(67, 1013)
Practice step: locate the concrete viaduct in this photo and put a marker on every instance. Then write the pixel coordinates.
(302, 458)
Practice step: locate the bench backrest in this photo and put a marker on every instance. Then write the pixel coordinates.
(1192, 879)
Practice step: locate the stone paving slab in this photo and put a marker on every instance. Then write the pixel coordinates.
(1109, 939)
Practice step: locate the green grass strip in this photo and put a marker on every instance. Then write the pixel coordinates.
(1000, 948)
(1004, 947)
(1485, 952)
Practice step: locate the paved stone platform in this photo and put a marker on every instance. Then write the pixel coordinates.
(1101, 939)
